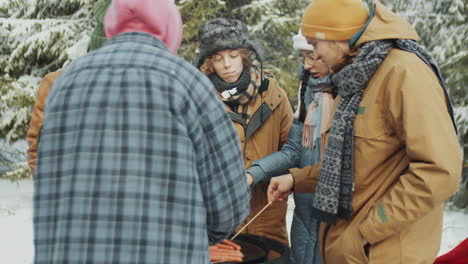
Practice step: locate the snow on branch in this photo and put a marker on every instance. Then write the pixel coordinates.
(33, 43)
(16, 100)
(44, 8)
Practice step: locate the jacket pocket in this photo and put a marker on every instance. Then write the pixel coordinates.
(387, 251)
(361, 250)
(348, 248)
(370, 122)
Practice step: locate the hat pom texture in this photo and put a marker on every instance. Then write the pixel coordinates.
(300, 42)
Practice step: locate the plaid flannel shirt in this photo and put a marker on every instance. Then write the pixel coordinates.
(138, 161)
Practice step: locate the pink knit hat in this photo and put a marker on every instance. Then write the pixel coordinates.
(161, 18)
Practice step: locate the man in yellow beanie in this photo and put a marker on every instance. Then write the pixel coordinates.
(392, 157)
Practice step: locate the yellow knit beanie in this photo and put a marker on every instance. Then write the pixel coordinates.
(333, 19)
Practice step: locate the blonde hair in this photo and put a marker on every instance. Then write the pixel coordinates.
(207, 67)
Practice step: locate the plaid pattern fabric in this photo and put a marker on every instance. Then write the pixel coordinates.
(138, 161)
(244, 98)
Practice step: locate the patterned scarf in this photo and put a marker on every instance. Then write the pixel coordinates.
(336, 182)
(318, 112)
(334, 192)
(240, 93)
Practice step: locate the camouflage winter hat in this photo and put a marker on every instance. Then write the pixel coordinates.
(221, 34)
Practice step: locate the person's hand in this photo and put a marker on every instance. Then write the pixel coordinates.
(280, 187)
(249, 178)
(225, 251)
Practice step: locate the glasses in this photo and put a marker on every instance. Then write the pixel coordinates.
(309, 58)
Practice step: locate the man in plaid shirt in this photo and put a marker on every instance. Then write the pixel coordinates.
(138, 161)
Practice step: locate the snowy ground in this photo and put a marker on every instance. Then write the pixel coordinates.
(16, 224)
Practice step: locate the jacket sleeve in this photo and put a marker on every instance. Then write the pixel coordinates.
(279, 162)
(36, 117)
(221, 168)
(305, 179)
(418, 111)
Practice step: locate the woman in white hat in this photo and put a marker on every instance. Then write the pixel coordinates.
(303, 148)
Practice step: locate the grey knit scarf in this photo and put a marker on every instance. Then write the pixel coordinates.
(334, 190)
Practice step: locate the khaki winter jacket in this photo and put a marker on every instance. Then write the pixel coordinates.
(37, 116)
(265, 140)
(407, 161)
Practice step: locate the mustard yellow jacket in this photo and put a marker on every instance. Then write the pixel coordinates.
(407, 161)
(37, 116)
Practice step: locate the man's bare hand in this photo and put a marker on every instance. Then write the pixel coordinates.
(280, 187)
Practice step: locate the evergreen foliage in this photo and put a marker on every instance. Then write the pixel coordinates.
(17, 97)
(194, 13)
(36, 37)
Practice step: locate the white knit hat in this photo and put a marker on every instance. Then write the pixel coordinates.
(300, 42)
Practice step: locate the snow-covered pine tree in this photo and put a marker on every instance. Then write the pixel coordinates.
(274, 23)
(194, 13)
(36, 37)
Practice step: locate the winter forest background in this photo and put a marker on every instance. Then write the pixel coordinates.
(40, 36)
